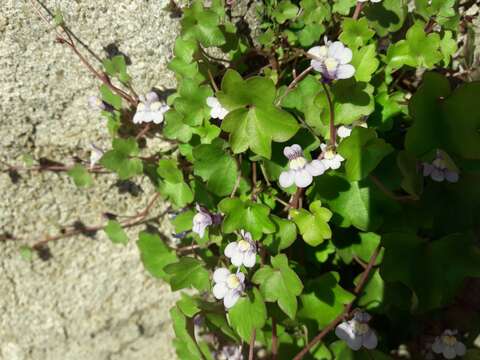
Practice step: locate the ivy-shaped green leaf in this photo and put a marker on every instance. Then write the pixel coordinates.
(313, 224)
(80, 176)
(355, 33)
(279, 283)
(115, 232)
(155, 254)
(202, 24)
(247, 314)
(121, 158)
(188, 272)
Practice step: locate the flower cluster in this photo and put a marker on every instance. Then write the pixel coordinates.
(357, 333)
(150, 109)
(217, 110)
(301, 172)
(332, 60)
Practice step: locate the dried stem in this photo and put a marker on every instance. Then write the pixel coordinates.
(53, 168)
(252, 344)
(346, 311)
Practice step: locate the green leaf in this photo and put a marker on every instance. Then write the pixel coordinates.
(280, 283)
(365, 62)
(363, 151)
(180, 194)
(412, 181)
(115, 232)
(253, 121)
(155, 254)
(283, 237)
(110, 98)
(444, 120)
(343, 7)
(168, 170)
(119, 158)
(202, 24)
(80, 176)
(183, 221)
(313, 225)
(387, 16)
(448, 47)
(175, 128)
(188, 305)
(26, 252)
(247, 215)
(356, 33)
(192, 102)
(373, 292)
(323, 299)
(185, 49)
(434, 270)
(184, 343)
(117, 67)
(188, 272)
(215, 166)
(247, 314)
(284, 11)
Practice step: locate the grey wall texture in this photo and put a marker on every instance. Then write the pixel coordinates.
(92, 299)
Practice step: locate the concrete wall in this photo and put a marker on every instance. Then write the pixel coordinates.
(91, 300)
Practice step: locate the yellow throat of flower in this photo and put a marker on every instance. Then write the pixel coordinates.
(329, 154)
(232, 281)
(331, 64)
(449, 340)
(360, 328)
(297, 163)
(243, 245)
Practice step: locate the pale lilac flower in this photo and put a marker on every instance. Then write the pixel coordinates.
(332, 60)
(218, 111)
(95, 155)
(96, 103)
(331, 159)
(150, 109)
(201, 221)
(356, 332)
(228, 286)
(448, 345)
(242, 252)
(301, 172)
(442, 168)
(230, 352)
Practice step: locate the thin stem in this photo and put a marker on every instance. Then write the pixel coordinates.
(389, 193)
(144, 131)
(264, 173)
(333, 130)
(294, 83)
(254, 180)
(284, 203)
(347, 309)
(53, 168)
(212, 80)
(358, 10)
(252, 344)
(295, 202)
(274, 339)
(239, 177)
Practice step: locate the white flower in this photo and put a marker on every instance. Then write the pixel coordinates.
(96, 103)
(345, 131)
(201, 221)
(448, 345)
(218, 111)
(230, 352)
(373, 1)
(243, 251)
(95, 155)
(331, 159)
(228, 286)
(300, 172)
(356, 332)
(442, 168)
(332, 60)
(150, 109)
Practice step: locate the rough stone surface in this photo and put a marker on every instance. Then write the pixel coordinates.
(91, 300)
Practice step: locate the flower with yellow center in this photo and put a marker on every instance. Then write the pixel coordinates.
(356, 332)
(217, 110)
(448, 345)
(242, 252)
(331, 159)
(150, 109)
(228, 286)
(332, 60)
(300, 172)
(442, 168)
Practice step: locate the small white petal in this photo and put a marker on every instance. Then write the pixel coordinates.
(157, 117)
(151, 97)
(460, 348)
(315, 168)
(449, 352)
(220, 275)
(231, 298)
(287, 178)
(370, 340)
(231, 249)
(336, 162)
(451, 176)
(237, 259)
(241, 277)
(437, 346)
(344, 331)
(345, 71)
(249, 259)
(317, 65)
(355, 343)
(344, 56)
(139, 117)
(318, 51)
(220, 290)
(362, 316)
(323, 147)
(344, 131)
(303, 178)
(335, 49)
(437, 175)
